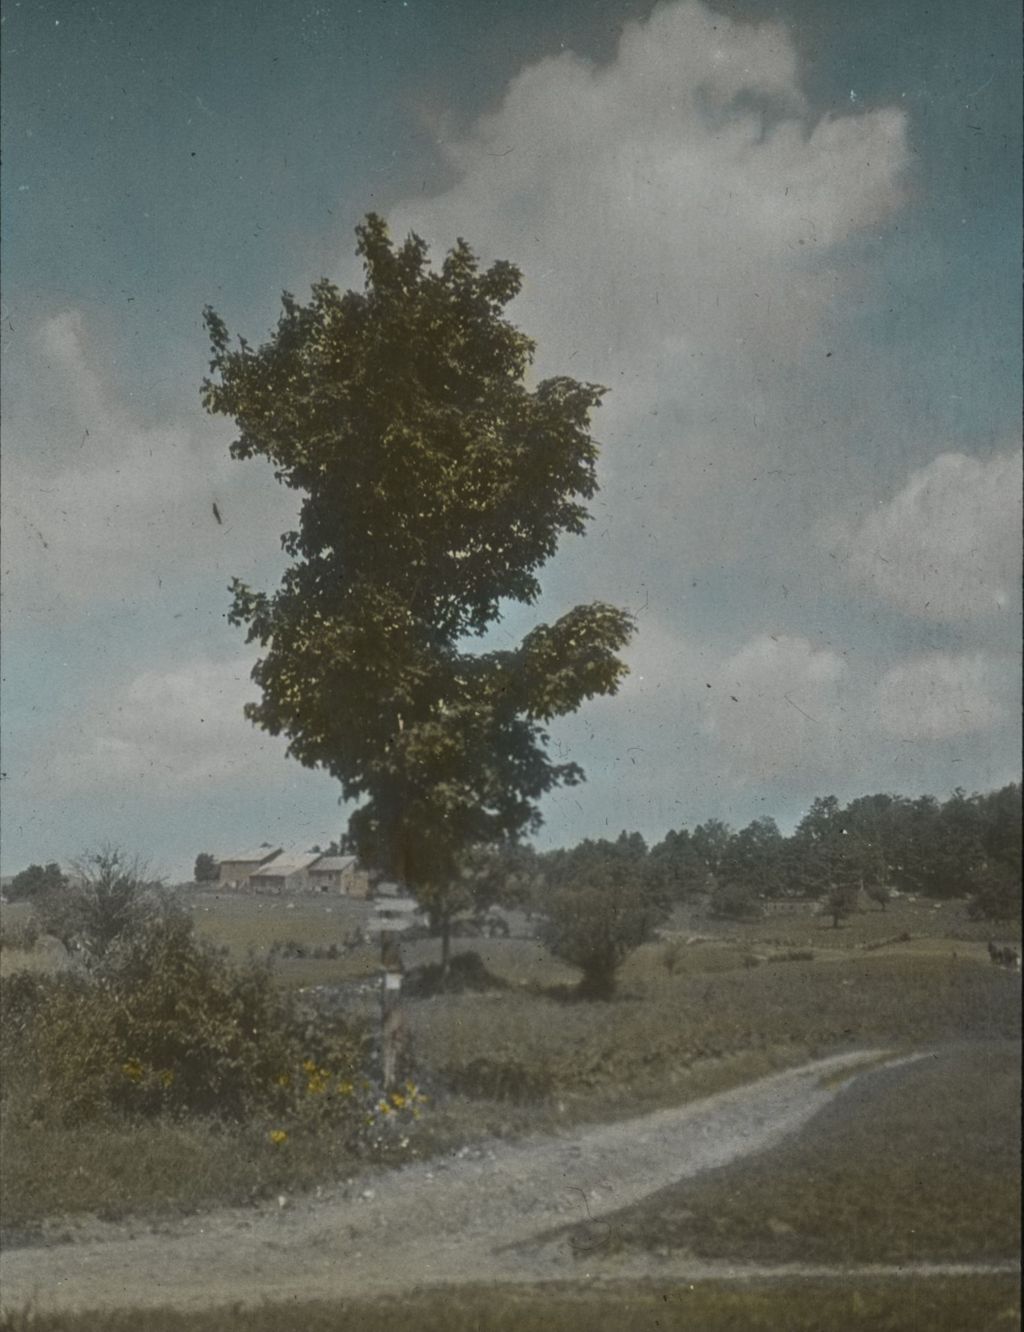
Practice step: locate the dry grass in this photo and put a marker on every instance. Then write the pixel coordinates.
(983, 1304)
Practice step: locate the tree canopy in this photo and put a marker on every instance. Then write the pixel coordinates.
(435, 483)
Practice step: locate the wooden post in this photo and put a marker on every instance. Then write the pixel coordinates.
(391, 1025)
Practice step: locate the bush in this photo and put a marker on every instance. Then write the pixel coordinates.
(23, 936)
(731, 902)
(997, 895)
(466, 971)
(604, 899)
(35, 882)
(110, 896)
(165, 1024)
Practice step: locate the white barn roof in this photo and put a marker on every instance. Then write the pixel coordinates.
(281, 866)
(254, 856)
(334, 864)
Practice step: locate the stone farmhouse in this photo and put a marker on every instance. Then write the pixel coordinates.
(234, 871)
(273, 870)
(339, 874)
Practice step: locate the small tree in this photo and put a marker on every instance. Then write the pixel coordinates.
(605, 900)
(878, 892)
(206, 870)
(841, 902)
(109, 895)
(36, 882)
(435, 484)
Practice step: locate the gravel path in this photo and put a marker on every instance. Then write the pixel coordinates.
(469, 1217)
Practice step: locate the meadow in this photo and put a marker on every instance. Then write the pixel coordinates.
(709, 1005)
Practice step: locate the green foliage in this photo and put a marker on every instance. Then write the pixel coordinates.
(604, 900)
(752, 860)
(163, 1024)
(435, 485)
(841, 902)
(997, 893)
(110, 896)
(205, 870)
(35, 882)
(23, 936)
(735, 902)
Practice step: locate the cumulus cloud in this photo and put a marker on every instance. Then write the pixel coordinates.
(780, 708)
(101, 507)
(947, 546)
(170, 731)
(674, 198)
(942, 695)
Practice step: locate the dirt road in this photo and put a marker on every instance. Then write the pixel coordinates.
(463, 1218)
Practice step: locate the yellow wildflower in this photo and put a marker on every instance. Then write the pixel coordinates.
(167, 1077)
(398, 1100)
(345, 1088)
(277, 1136)
(309, 1066)
(283, 1080)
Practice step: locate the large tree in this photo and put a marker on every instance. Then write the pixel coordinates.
(435, 484)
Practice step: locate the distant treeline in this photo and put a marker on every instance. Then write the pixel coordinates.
(967, 846)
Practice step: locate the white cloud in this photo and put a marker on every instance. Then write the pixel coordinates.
(942, 695)
(101, 507)
(173, 731)
(947, 546)
(780, 708)
(680, 219)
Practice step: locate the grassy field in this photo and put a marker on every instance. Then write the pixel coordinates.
(690, 1019)
(913, 1164)
(981, 1304)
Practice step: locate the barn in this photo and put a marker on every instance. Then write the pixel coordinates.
(235, 871)
(339, 874)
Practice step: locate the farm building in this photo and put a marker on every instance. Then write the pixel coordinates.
(339, 874)
(287, 873)
(236, 870)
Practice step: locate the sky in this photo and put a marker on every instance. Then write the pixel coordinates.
(783, 233)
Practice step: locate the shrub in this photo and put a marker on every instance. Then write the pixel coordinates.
(731, 902)
(165, 1024)
(206, 869)
(110, 896)
(24, 936)
(840, 903)
(35, 882)
(997, 894)
(604, 899)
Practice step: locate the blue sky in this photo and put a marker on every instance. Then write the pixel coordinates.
(784, 234)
